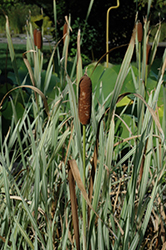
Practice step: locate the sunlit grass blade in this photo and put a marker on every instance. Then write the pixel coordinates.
(110, 144)
(33, 88)
(26, 61)
(30, 44)
(6, 186)
(139, 235)
(122, 74)
(36, 186)
(58, 147)
(74, 112)
(145, 175)
(79, 60)
(24, 234)
(74, 208)
(66, 40)
(164, 112)
(155, 45)
(96, 188)
(89, 9)
(64, 241)
(154, 116)
(12, 53)
(148, 7)
(77, 177)
(29, 214)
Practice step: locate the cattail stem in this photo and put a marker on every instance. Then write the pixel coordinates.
(148, 48)
(84, 139)
(139, 37)
(139, 62)
(141, 86)
(83, 200)
(146, 77)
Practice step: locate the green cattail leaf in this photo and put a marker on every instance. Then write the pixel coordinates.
(149, 6)
(77, 177)
(34, 89)
(55, 14)
(11, 50)
(79, 60)
(122, 74)
(6, 185)
(24, 234)
(74, 207)
(89, 9)
(155, 44)
(74, 112)
(139, 235)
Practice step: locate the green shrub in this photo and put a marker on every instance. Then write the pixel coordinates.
(163, 33)
(89, 39)
(46, 26)
(2, 24)
(19, 15)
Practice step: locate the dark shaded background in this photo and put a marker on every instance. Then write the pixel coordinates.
(121, 22)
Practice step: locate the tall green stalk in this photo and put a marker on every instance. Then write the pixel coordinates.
(139, 61)
(83, 200)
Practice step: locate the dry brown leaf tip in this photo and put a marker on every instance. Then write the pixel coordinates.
(85, 99)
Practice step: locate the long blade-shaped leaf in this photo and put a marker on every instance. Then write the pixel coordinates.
(24, 234)
(11, 50)
(74, 207)
(122, 74)
(77, 177)
(74, 111)
(34, 89)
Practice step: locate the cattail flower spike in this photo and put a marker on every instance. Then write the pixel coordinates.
(85, 99)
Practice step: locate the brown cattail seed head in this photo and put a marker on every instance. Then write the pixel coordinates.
(34, 36)
(39, 39)
(139, 31)
(85, 100)
(64, 32)
(148, 47)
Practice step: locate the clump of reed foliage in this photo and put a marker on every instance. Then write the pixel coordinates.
(48, 199)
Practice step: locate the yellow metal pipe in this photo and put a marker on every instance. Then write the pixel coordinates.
(107, 29)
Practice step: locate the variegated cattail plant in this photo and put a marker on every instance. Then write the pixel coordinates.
(85, 99)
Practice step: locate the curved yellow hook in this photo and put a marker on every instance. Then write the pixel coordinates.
(107, 30)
